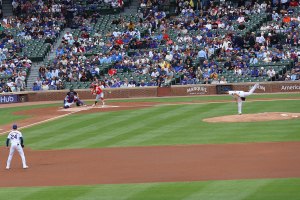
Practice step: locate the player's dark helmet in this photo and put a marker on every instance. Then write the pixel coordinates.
(15, 126)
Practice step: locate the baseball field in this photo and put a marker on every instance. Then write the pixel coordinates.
(185, 148)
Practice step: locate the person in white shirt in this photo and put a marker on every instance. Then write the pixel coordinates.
(275, 16)
(169, 57)
(116, 33)
(155, 74)
(68, 35)
(223, 80)
(226, 44)
(260, 39)
(241, 19)
(271, 72)
(16, 143)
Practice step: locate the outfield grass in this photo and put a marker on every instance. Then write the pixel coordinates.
(263, 189)
(164, 125)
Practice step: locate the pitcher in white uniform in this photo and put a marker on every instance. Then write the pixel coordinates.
(240, 96)
(16, 143)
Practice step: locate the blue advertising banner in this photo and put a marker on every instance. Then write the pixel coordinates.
(8, 99)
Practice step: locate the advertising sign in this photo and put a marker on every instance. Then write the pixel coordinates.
(8, 99)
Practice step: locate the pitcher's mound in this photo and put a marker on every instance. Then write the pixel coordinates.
(257, 117)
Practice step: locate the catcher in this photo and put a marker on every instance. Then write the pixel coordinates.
(71, 98)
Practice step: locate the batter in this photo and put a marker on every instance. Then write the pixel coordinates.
(97, 90)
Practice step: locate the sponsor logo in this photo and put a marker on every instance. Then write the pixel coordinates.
(260, 87)
(196, 90)
(290, 87)
(8, 99)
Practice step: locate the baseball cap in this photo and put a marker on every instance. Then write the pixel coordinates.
(15, 126)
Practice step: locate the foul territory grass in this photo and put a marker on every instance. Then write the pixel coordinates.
(7, 114)
(164, 125)
(263, 189)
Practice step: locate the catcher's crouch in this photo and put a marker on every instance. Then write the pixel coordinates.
(71, 98)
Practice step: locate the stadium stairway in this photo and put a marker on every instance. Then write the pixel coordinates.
(132, 8)
(7, 8)
(34, 72)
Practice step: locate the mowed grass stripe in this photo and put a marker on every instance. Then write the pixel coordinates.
(167, 124)
(57, 192)
(189, 127)
(55, 131)
(199, 132)
(255, 189)
(46, 130)
(136, 127)
(127, 192)
(118, 124)
(227, 190)
(84, 128)
(77, 128)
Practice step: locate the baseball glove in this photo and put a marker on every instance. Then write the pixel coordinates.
(22, 145)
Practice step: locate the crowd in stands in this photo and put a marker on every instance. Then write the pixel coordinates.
(21, 7)
(16, 32)
(198, 65)
(198, 45)
(1, 12)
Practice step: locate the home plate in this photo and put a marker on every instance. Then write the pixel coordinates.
(75, 109)
(284, 115)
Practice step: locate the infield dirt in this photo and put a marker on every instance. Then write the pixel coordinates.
(154, 164)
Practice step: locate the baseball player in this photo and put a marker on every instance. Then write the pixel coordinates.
(71, 98)
(16, 143)
(97, 90)
(240, 96)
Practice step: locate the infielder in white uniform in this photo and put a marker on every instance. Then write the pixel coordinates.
(16, 143)
(240, 96)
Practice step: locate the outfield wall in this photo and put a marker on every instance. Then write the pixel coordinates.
(176, 90)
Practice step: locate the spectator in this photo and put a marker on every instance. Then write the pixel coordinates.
(36, 87)
(271, 73)
(215, 81)
(223, 80)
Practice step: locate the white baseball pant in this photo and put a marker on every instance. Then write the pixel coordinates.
(69, 104)
(243, 94)
(99, 96)
(19, 148)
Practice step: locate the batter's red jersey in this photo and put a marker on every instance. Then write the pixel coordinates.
(97, 90)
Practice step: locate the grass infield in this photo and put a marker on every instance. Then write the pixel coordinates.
(163, 125)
